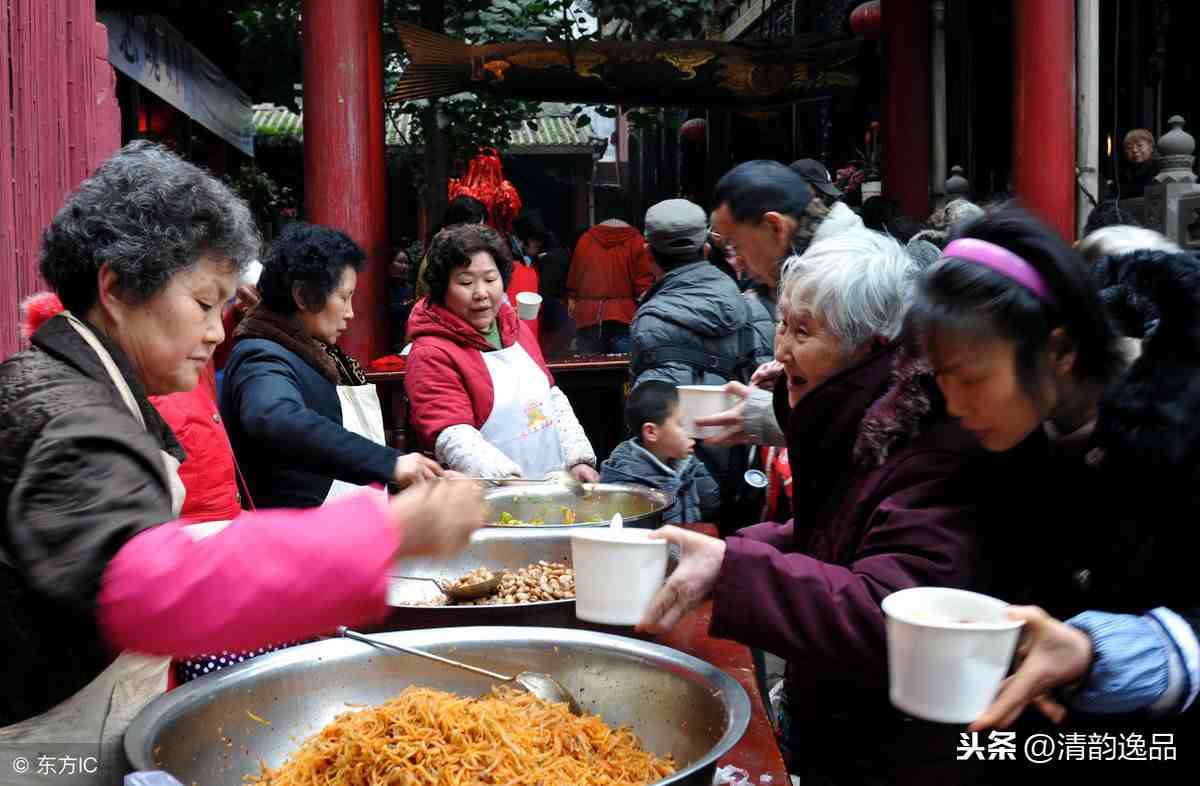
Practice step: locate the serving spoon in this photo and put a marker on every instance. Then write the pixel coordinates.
(480, 589)
(542, 686)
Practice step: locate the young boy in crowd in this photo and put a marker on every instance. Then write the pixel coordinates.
(660, 455)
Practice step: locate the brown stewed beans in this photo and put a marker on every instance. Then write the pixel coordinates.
(537, 582)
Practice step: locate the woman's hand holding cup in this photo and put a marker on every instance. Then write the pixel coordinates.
(732, 421)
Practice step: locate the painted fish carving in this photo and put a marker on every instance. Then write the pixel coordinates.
(634, 73)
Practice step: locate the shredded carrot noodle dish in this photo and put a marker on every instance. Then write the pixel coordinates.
(426, 736)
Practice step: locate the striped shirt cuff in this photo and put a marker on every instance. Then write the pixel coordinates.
(1185, 646)
(1130, 667)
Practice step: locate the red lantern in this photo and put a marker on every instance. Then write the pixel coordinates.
(867, 20)
(694, 130)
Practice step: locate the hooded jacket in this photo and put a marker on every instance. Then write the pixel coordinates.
(609, 272)
(451, 395)
(697, 497)
(762, 301)
(694, 328)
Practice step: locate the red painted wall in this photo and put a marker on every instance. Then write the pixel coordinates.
(64, 120)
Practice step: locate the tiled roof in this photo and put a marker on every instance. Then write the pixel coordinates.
(553, 130)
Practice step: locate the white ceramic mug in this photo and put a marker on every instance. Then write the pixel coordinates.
(617, 573)
(948, 651)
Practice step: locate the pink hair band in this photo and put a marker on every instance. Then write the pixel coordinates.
(1002, 261)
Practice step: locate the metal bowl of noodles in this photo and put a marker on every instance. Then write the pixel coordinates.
(216, 730)
(554, 505)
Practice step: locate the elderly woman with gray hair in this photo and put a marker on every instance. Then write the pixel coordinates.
(93, 558)
(892, 494)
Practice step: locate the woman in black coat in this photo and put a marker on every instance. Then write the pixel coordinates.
(284, 395)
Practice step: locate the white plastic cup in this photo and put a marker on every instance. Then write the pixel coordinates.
(701, 401)
(617, 573)
(252, 273)
(528, 304)
(948, 651)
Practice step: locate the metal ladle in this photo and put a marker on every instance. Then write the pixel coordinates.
(543, 686)
(480, 589)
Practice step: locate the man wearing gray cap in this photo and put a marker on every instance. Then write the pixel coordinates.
(692, 327)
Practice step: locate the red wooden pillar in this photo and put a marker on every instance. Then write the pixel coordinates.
(907, 108)
(1044, 110)
(345, 183)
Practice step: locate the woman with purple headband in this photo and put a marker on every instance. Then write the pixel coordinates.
(1019, 337)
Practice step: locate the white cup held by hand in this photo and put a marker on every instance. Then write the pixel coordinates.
(528, 304)
(702, 401)
(948, 651)
(617, 573)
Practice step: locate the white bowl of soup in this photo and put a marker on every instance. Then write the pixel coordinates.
(948, 651)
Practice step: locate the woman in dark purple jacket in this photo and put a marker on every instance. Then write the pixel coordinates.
(890, 493)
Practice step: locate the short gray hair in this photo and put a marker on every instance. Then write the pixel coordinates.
(859, 283)
(1113, 241)
(149, 214)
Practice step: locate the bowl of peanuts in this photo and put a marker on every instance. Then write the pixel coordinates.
(537, 582)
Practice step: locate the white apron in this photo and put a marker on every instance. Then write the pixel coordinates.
(361, 415)
(521, 424)
(101, 710)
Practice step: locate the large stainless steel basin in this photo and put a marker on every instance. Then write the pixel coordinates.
(202, 732)
(639, 506)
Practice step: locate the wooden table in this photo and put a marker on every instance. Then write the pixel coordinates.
(757, 752)
(595, 385)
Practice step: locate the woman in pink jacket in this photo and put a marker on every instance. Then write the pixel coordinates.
(93, 557)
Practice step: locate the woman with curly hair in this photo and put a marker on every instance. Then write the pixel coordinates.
(94, 559)
(480, 393)
(305, 425)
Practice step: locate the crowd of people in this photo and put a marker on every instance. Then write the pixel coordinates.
(973, 403)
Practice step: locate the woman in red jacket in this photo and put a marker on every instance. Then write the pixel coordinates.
(480, 393)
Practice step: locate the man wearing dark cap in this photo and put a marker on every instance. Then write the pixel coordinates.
(692, 327)
(840, 217)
